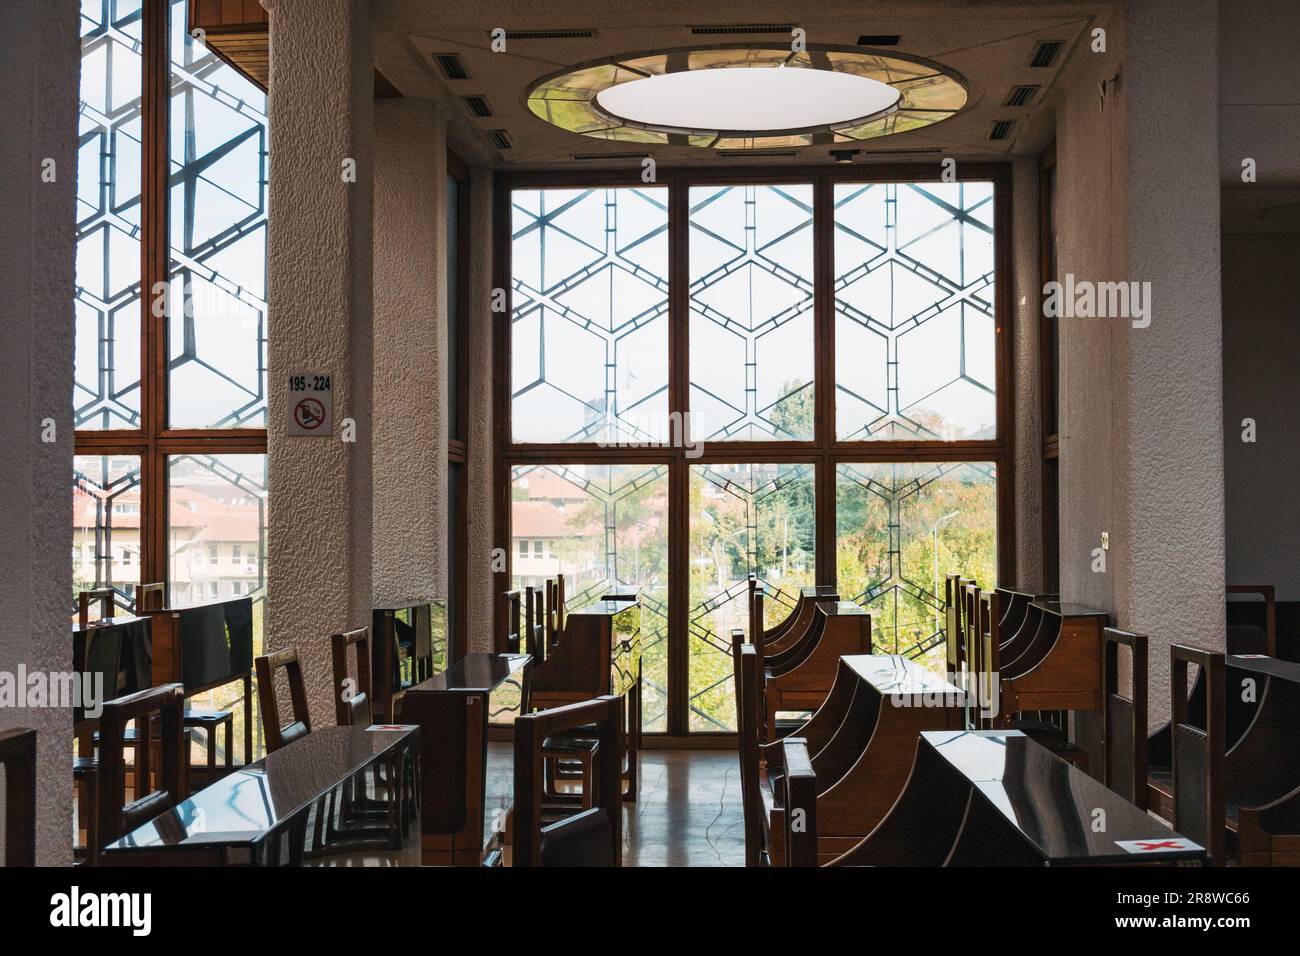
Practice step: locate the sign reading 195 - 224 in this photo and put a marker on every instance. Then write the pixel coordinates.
(311, 405)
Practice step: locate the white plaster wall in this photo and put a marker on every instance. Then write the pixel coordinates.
(39, 72)
(1141, 434)
(481, 586)
(320, 318)
(410, 380)
(1261, 368)
(1028, 571)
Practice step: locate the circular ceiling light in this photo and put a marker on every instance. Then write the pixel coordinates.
(748, 97)
(739, 101)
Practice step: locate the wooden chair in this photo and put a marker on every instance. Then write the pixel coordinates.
(150, 597)
(351, 703)
(107, 598)
(276, 734)
(799, 798)
(511, 602)
(1124, 719)
(118, 817)
(1199, 801)
(593, 837)
(18, 759)
(534, 626)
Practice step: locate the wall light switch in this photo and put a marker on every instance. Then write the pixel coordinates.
(1105, 541)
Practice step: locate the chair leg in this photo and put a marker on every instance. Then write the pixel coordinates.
(588, 783)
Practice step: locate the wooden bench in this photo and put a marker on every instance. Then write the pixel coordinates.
(800, 678)
(859, 742)
(774, 640)
(997, 798)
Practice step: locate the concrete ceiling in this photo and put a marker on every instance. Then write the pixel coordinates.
(988, 43)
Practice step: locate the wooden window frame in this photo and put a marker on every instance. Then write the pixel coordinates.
(825, 451)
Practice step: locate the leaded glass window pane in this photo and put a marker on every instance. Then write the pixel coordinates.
(600, 526)
(589, 327)
(106, 519)
(744, 518)
(217, 267)
(900, 527)
(915, 339)
(751, 312)
(106, 392)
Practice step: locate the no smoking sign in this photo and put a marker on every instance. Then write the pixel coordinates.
(311, 405)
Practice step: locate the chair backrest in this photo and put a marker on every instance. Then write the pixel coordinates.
(972, 641)
(799, 791)
(1124, 719)
(18, 760)
(591, 838)
(510, 616)
(352, 701)
(150, 597)
(107, 598)
(116, 816)
(757, 629)
(1250, 638)
(750, 719)
(535, 624)
(954, 648)
(1198, 751)
(278, 735)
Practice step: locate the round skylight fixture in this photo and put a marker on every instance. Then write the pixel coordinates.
(740, 101)
(746, 97)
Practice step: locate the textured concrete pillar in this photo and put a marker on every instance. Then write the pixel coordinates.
(320, 321)
(1027, 400)
(481, 478)
(1141, 437)
(39, 69)
(410, 389)
(1169, 410)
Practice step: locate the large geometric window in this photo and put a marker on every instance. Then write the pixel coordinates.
(914, 326)
(107, 360)
(900, 527)
(217, 329)
(745, 518)
(600, 526)
(169, 399)
(590, 315)
(837, 343)
(751, 334)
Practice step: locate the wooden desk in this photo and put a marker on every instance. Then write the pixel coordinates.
(862, 741)
(467, 785)
(997, 798)
(245, 817)
(1052, 661)
(598, 653)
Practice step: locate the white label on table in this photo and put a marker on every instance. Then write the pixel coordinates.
(1158, 845)
(311, 405)
(392, 727)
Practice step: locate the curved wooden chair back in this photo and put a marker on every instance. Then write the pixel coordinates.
(277, 734)
(593, 837)
(116, 816)
(1198, 751)
(18, 759)
(352, 697)
(1124, 719)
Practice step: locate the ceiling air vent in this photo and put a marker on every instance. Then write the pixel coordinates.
(451, 66)
(1002, 129)
(756, 153)
(609, 157)
(1045, 53)
(478, 105)
(879, 39)
(501, 139)
(1020, 95)
(727, 29)
(550, 34)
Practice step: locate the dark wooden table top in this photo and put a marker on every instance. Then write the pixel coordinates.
(1063, 813)
(242, 808)
(474, 674)
(895, 675)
